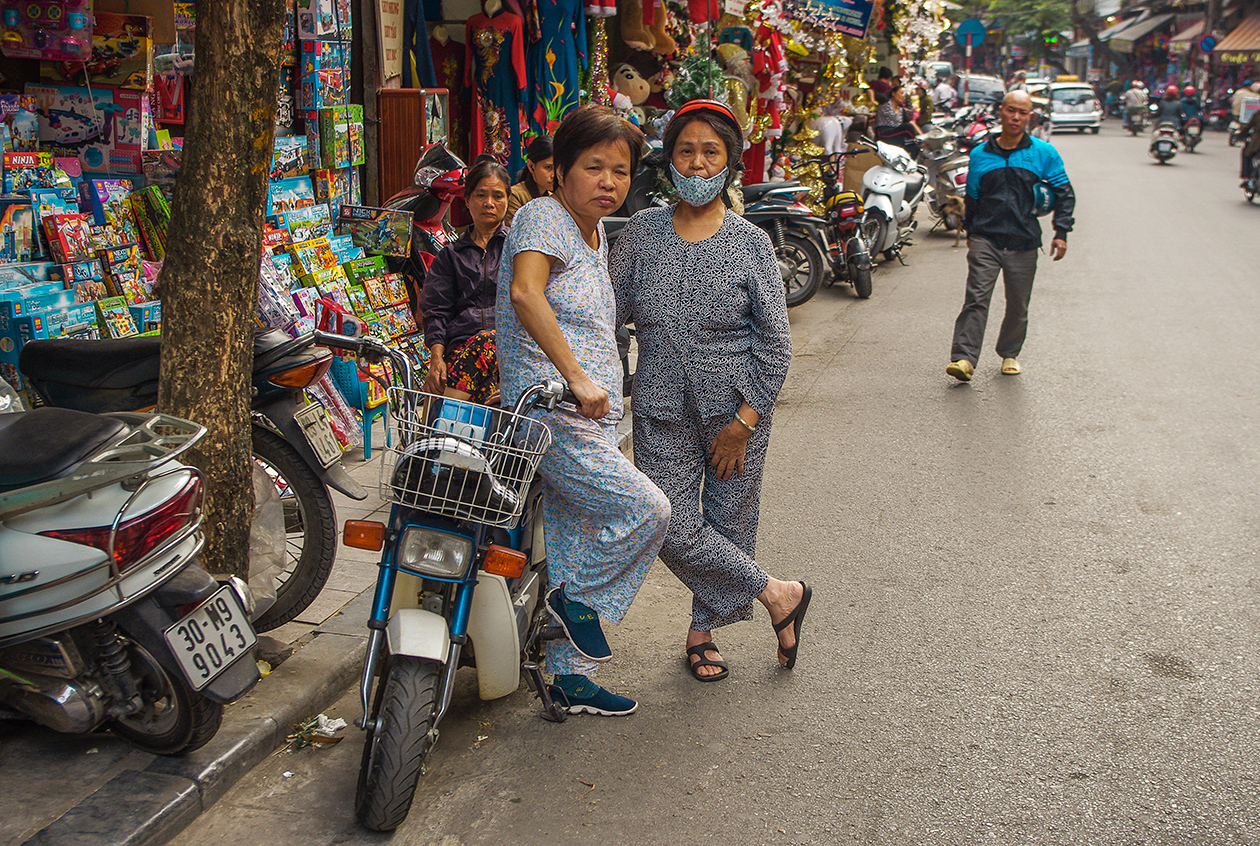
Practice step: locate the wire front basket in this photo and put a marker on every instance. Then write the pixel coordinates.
(461, 459)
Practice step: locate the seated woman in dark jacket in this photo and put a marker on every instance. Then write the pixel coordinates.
(458, 298)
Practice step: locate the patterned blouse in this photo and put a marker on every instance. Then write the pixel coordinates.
(710, 317)
(579, 293)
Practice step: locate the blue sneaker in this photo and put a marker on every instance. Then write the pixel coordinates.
(580, 695)
(581, 626)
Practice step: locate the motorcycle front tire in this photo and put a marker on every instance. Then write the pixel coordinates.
(796, 247)
(309, 510)
(174, 719)
(861, 281)
(399, 742)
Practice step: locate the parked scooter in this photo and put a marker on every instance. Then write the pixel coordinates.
(106, 619)
(1191, 134)
(891, 192)
(1164, 142)
(947, 168)
(462, 578)
(849, 254)
(292, 440)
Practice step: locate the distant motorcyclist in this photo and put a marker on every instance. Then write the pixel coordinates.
(1247, 89)
(1190, 105)
(1251, 146)
(1134, 101)
(1170, 108)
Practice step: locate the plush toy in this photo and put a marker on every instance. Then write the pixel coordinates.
(633, 32)
(627, 80)
(656, 21)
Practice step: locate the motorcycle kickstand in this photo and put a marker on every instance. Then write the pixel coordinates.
(552, 712)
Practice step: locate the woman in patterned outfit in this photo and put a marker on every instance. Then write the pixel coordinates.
(705, 293)
(604, 520)
(458, 297)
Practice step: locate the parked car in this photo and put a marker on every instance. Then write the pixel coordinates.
(980, 88)
(1074, 105)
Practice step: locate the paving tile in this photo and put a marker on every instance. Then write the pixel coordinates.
(325, 605)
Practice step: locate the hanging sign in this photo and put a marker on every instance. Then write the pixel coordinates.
(1206, 43)
(847, 17)
(389, 40)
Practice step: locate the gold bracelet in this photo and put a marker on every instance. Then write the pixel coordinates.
(745, 422)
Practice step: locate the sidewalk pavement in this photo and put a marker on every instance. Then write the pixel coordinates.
(97, 790)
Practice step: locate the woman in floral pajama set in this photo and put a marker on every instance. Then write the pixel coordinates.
(604, 520)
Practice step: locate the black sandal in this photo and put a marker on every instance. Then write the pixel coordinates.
(698, 650)
(796, 617)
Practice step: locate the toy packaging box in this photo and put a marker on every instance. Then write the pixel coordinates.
(337, 187)
(32, 273)
(325, 75)
(324, 19)
(47, 202)
(397, 320)
(147, 316)
(68, 321)
(58, 31)
(385, 290)
(122, 54)
(340, 133)
(380, 232)
(115, 318)
(287, 194)
(69, 237)
(111, 203)
(107, 129)
(361, 269)
(289, 158)
(308, 223)
(19, 241)
(26, 171)
(312, 255)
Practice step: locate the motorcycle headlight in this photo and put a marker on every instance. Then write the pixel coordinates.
(436, 554)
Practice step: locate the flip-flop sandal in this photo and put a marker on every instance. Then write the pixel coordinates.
(795, 619)
(698, 651)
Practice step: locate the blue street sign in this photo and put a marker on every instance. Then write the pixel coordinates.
(1207, 43)
(972, 27)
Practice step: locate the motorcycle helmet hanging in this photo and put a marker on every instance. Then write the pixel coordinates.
(1043, 199)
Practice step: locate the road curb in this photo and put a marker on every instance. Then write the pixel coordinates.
(149, 807)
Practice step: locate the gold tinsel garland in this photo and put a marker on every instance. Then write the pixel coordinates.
(599, 60)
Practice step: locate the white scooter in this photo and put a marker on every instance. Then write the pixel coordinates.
(1164, 142)
(106, 619)
(891, 192)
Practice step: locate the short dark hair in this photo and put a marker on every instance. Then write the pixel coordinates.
(540, 149)
(730, 139)
(483, 168)
(589, 126)
(885, 73)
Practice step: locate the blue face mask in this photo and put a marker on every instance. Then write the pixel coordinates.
(698, 190)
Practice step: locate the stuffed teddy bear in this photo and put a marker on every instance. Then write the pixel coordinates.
(633, 32)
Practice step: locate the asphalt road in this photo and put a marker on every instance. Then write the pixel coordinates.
(1036, 597)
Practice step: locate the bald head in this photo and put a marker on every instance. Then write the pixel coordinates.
(1019, 99)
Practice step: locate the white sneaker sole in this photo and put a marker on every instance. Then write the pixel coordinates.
(598, 712)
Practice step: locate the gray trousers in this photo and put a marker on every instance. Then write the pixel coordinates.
(984, 261)
(712, 534)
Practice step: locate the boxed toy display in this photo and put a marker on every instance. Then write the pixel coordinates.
(115, 318)
(60, 31)
(122, 54)
(323, 19)
(106, 128)
(286, 194)
(25, 171)
(325, 70)
(289, 158)
(380, 232)
(111, 203)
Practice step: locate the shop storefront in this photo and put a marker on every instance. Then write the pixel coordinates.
(1237, 56)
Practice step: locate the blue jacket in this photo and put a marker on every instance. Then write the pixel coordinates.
(1000, 193)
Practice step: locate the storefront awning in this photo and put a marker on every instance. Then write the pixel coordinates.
(1125, 41)
(1080, 49)
(1243, 44)
(1188, 35)
(1113, 30)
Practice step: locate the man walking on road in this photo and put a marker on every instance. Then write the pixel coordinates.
(1005, 192)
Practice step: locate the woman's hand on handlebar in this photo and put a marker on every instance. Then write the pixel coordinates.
(592, 399)
(435, 382)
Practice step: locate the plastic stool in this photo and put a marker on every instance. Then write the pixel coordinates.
(345, 375)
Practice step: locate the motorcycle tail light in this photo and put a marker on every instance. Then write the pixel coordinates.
(848, 211)
(139, 536)
(304, 375)
(960, 178)
(504, 562)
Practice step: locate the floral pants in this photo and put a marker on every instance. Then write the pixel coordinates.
(603, 520)
(472, 368)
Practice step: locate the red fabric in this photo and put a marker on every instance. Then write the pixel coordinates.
(515, 27)
(701, 11)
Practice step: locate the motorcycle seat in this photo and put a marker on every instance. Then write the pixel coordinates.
(112, 364)
(914, 183)
(754, 192)
(47, 443)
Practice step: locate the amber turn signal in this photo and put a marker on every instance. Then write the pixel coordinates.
(364, 534)
(504, 562)
(305, 375)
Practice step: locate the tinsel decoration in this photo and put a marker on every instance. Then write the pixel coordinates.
(802, 151)
(599, 60)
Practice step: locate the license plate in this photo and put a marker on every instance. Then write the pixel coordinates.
(319, 434)
(215, 634)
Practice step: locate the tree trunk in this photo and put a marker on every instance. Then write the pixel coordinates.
(209, 281)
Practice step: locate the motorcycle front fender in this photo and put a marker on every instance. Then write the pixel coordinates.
(279, 414)
(857, 254)
(146, 621)
(420, 634)
(496, 641)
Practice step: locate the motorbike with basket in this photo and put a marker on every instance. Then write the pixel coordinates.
(293, 441)
(106, 618)
(462, 575)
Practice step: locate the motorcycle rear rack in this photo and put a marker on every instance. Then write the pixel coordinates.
(153, 440)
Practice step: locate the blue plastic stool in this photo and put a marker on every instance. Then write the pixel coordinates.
(345, 375)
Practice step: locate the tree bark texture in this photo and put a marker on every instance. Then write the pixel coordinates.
(209, 280)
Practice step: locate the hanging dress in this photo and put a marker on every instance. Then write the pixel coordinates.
(554, 63)
(448, 65)
(495, 71)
